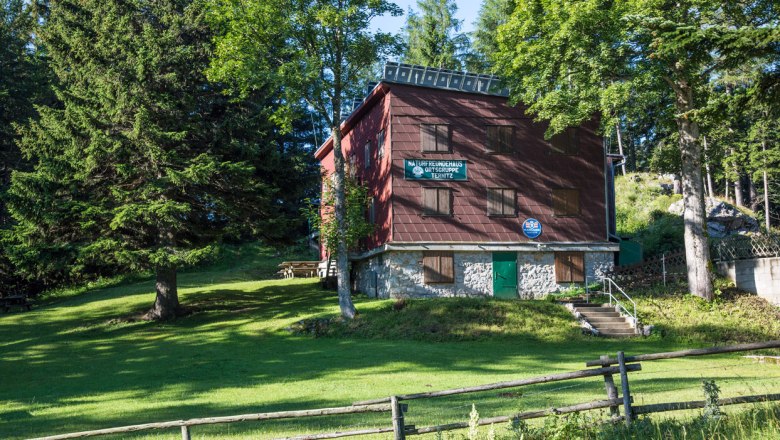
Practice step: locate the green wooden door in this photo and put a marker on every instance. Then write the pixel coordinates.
(505, 274)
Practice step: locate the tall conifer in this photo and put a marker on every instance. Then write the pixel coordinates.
(145, 164)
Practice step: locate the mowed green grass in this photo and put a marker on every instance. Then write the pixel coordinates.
(79, 363)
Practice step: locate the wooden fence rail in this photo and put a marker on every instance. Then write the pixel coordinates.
(226, 419)
(688, 353)
(509, 384)
(625, 365)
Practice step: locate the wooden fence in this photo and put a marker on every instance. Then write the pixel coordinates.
(741, 247)
(606, 368)
(664, 268)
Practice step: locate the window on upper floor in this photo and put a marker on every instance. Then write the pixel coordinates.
(500, 139)
(367, 155)
(380, 144)
(437, 201)
(501, 202)
(435, 138)
(438, 267)
(566, 142)
(566, 202)
(569, 267)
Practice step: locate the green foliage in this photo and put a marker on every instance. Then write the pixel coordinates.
(24, 83)
(757, 422)
(432, 38)
(143, 163)
(355, 226)
(711, 394)
(459, 319)
(732, 317)
(641, 209)
(316, 51)
(492, 14)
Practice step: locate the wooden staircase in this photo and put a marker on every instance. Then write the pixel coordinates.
(605, 319)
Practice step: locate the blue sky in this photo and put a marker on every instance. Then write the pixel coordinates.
(467, 11)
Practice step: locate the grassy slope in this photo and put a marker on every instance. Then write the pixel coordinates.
(72, 365)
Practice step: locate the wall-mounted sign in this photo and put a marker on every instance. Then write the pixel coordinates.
(532, 228)
(426, 169)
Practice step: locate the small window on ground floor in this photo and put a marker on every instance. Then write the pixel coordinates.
(569, 267)
(438, 267)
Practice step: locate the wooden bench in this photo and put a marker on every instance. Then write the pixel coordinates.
(292, 269)
(14, 300)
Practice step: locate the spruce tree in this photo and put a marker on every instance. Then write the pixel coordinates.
(492, 14)
(144, 164)
(24, 82)
(432, 36)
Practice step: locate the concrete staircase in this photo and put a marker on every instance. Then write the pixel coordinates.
(605, 319)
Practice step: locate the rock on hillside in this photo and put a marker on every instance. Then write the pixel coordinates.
(723, 219)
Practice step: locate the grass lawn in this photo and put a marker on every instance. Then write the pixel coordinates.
(77, 362)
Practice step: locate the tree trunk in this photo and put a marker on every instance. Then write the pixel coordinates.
(766, 190)
(739, 197)
(710, 189)
(342, 257)
(620, 146)
(726, 185)
(676, 184)
(166, 304)
(737, 185)
(752, 194)
(697, 251)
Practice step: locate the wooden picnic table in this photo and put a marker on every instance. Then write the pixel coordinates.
(292, 269)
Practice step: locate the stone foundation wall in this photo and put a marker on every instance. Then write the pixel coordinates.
(536, 272)
(399, 274)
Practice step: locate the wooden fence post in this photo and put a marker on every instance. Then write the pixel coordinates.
(185, 432)
(624, 384)
(398, 419)
(612, 393)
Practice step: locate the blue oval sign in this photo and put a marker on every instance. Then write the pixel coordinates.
(532, 228)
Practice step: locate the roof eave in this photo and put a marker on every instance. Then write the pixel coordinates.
(379, 91)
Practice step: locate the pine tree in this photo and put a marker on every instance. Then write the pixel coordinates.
(24, 82)
(432, 37)
(144, 164)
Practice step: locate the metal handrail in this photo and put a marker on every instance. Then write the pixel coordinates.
(606, 289)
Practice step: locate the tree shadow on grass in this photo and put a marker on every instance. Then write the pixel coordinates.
(235, 341)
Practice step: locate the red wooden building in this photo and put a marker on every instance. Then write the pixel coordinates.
(468, 196)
